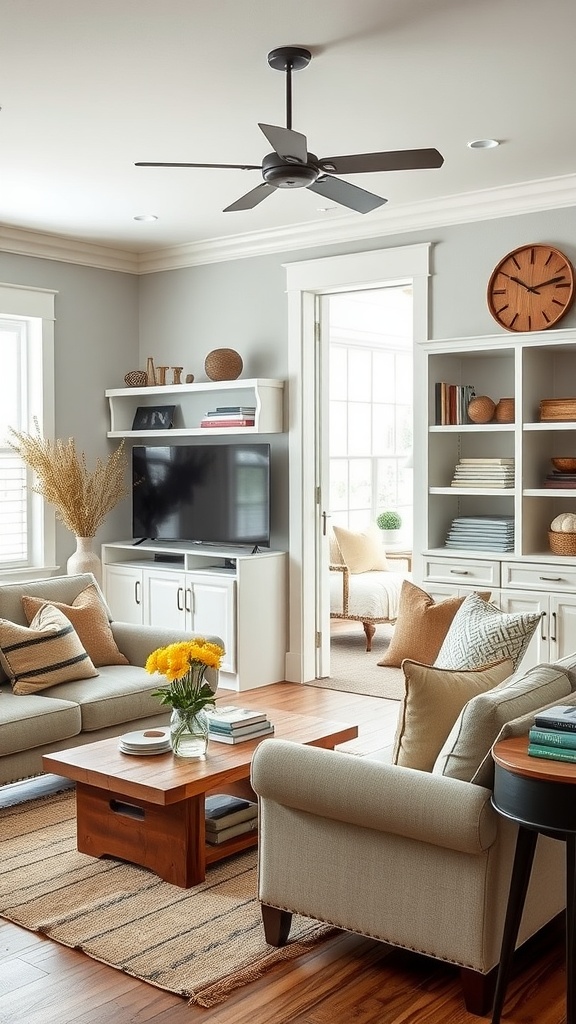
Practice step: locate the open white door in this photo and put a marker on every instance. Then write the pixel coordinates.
(322, 470)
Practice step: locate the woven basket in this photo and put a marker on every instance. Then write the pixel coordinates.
(558, 409)
(223, 364)
(562, 543)
(136, 379)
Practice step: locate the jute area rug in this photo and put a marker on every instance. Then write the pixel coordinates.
(200, 943)
(355, 670)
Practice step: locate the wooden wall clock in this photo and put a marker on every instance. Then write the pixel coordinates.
(531, 288)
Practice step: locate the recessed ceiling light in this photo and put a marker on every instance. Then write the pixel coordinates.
(483, 144)
(146, 216)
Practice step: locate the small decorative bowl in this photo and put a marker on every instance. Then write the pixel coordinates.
(564, 465)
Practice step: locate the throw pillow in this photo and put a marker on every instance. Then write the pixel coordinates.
(45, 654)
(361, 552)
(467, 748)
(480, 633)
(421, 626)
(89, 617)
(432, 701)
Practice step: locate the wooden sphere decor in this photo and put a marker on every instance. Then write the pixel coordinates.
(136, 379)
(223, 364)
(481, 409)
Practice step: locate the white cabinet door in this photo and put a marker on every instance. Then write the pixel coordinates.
(123, 587)
(165, 599)
(539, 648)
(213, 604)
(562, 625)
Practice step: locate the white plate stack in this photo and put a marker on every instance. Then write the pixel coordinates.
(145, 741)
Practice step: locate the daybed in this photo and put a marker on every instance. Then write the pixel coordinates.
(114, 699)
(414, 856)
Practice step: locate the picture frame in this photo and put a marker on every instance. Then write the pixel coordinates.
(154, 417)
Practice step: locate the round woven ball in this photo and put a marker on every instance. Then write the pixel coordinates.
(223, 364)
(481, 409)
(136, 379)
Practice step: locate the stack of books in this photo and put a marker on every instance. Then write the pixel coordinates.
(553, 734)
(484, 473)
(557, 479)
(230, 416)
(482, 533)
(232, 724)
(228, 816)
(451, 403)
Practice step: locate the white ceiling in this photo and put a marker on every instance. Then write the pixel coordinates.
(88, 87)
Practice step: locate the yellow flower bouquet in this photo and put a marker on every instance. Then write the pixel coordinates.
(184, 664)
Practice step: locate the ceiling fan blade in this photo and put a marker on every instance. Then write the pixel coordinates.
(235, 167)
(346, 194)
(252, 198)
(395, 160)
(291, 146)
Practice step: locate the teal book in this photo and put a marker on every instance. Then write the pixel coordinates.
(552, 737)
(552, 753)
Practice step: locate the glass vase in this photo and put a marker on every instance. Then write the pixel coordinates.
(189, 733)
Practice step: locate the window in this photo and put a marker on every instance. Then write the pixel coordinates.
(370, 399)
(26, 355)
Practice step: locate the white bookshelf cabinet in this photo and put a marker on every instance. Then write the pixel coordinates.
(529, 368)
(233, 594)
(192, 402)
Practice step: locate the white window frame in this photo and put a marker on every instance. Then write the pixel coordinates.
(305, 281)
(35, 307)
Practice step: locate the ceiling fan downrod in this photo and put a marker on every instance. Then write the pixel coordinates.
(289, 59)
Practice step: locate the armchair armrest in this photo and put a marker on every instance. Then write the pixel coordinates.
(387, 798)
(137, 642)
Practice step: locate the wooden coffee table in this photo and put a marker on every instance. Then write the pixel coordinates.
(150, 810)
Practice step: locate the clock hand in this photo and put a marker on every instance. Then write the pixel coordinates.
(517, 280)
(551, 280)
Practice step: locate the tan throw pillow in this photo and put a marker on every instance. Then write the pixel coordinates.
(361, 552)
(90, 620)
(45, 654)
(421, 626)
(478, 725)
(433, 699)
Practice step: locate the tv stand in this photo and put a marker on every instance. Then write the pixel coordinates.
(238, 594)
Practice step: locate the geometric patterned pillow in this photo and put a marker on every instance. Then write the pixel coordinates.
(47, 653)
(480, 633)
(89, 617)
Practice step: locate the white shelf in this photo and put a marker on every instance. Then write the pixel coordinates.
(193, 402)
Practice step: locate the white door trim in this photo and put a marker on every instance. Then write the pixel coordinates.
(304, 281)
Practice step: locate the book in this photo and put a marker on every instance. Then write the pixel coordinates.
(226, 820)
(561, 716)
(486, 462)
(223, 737)
(552, 753)
(235, 408)
(241, 730)
(220, 805)
(235, 716)
(235, 830)
(238, 422)
(552, 737)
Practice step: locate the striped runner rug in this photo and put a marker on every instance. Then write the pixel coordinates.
(200, 943)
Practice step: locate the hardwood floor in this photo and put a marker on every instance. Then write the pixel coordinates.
(344, 980)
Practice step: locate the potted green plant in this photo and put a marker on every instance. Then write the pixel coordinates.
(389, 522)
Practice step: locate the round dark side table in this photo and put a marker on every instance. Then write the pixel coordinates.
(539, 796)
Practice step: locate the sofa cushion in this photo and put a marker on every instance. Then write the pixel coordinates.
(480, 634)
(121, 693)
(466, 752)
(89, 616)
(421, 627)
(33, 720)
(432, 702)
(44, 654)
(361, 552)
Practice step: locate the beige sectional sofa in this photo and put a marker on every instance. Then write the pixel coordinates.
(115, 699)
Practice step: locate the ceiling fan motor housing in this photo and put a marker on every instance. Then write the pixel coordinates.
(281, 174)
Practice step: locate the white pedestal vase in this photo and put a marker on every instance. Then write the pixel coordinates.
(85, 559)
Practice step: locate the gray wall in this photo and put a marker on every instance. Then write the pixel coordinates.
(109, 322)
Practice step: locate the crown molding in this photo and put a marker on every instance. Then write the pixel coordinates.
(467, 207)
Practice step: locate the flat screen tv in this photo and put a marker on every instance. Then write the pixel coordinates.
(216, 494)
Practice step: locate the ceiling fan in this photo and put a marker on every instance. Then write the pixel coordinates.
(292, 166)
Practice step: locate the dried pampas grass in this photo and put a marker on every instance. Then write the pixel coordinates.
(82, 499)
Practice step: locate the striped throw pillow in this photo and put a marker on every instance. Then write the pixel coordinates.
(45, 654)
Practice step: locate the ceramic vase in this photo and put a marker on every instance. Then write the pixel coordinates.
(189, 733)
(85, 559)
